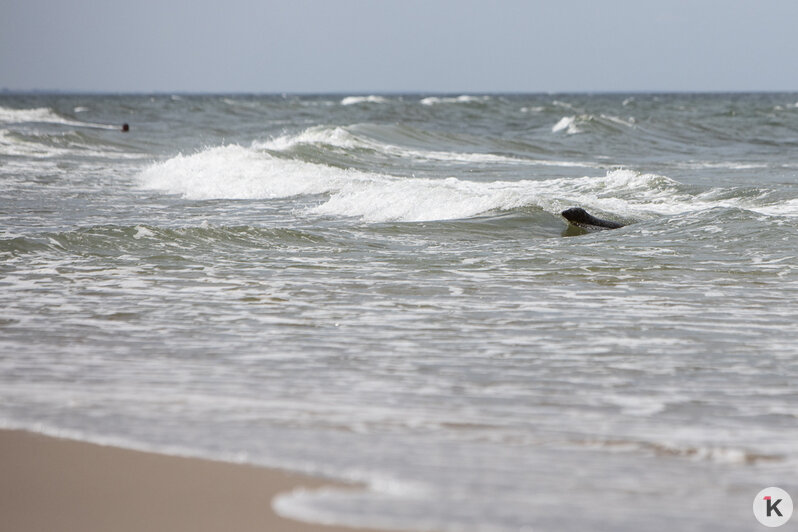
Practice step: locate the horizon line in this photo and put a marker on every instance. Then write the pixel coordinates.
(8, 91)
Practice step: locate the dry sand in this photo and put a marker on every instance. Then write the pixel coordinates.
(55, 485)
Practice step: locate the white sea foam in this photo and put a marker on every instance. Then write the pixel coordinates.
(567, 123)
(235, 172)
(312, 505)
(786, 208)
(354, 100)
(143, 232)
(410, 200)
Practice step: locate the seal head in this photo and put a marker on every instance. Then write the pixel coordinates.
(584, 220)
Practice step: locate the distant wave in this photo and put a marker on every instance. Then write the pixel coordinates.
(567, 123)
(236, 172)
(342, 137)
(12, 145)
(354, 100)
(434, 100)
(38, 115)
(571, 124)
(43, 115)
(41, 145)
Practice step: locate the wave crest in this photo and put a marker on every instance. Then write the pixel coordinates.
(465, 98)
(235, 172)
(354, 100)
(574, 124)
(42, 115)
(352, 138)
(38, 114)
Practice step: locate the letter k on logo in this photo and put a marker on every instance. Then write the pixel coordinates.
(772, 506)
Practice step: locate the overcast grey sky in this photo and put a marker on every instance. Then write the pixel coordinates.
(394, 46)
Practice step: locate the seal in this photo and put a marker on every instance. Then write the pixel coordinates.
(581, 218)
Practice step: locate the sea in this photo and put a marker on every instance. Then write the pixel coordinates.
(380, 289)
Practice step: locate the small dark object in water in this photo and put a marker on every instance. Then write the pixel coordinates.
(582, 219)
(125, 128)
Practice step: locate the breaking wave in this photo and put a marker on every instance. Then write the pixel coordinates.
(236, 172)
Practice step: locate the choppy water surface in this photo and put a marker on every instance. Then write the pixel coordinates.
(380, 288)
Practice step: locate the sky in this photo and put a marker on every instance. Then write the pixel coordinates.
(384, 46)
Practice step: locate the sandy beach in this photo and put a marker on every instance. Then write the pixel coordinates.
(51, 484)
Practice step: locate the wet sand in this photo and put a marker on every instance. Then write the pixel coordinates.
(49, 484)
